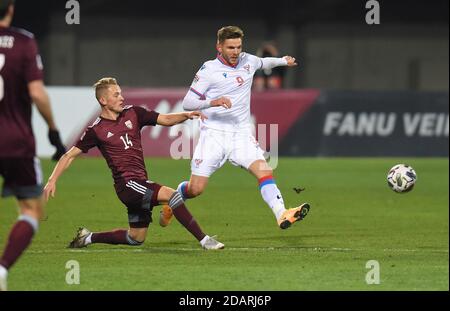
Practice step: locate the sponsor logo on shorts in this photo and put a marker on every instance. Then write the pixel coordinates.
(198, 162)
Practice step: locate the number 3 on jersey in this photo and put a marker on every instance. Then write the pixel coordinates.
(126, 141)
(2, 63)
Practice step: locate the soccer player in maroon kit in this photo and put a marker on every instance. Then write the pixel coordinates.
(117, 133)
(21, 83)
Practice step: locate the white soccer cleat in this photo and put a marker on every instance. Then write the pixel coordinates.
(3, 279)
(79, 240)
(212, 243)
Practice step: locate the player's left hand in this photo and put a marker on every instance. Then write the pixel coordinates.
(196, 114)
(290, 61)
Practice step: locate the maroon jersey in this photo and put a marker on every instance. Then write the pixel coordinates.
(20, 64)
(119, 142)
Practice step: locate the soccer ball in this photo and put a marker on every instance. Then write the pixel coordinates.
(401, 178)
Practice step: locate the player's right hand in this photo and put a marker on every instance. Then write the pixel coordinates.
(290, 61)
(221, 102)
(49, 189)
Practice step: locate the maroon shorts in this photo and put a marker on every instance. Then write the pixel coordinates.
(22, 177)
(139, 196)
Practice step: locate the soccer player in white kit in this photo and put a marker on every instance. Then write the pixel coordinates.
(221, 89)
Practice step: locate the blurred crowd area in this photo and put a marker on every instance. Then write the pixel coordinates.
(148, 44)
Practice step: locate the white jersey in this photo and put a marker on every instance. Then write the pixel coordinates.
(216, 78)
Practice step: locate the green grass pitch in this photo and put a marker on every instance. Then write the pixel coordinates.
(354, 218)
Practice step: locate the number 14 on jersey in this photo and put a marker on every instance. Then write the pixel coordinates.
(126, 141)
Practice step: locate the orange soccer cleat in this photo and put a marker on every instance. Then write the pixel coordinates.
(165, 216)
(292, 215)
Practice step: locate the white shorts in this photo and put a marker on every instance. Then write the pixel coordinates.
(215, 147)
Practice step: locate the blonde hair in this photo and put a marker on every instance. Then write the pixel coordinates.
(102, 85)
(229, 32)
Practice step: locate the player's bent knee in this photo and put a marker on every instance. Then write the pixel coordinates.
(195, 191)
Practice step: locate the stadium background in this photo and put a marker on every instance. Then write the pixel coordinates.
(161, 45)
(366, 71)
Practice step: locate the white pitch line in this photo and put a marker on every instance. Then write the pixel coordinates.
(237, 249)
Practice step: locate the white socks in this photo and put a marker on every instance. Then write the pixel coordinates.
(88, 239)
(273, 198)
(3, 277)
(3, 272)
(203, 241)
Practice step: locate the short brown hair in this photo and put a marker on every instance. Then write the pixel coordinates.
(229, 32)
(103, 84)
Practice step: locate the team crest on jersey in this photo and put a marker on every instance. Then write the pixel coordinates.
(129, 124)
(224, 74)
(247, 67)
(198, 162)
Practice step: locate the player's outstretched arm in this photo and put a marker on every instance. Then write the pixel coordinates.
(170, 119)
(63, 163)
(272, 62)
